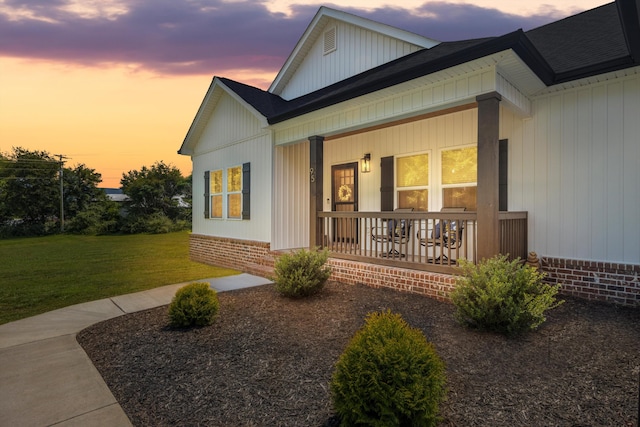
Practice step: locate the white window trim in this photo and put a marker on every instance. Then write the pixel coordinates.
(443, 186)
(212, 194)
(428, 187)
(227, 193)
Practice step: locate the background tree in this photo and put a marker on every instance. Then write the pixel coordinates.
(30, 191)
(152, 204)
(81, 189)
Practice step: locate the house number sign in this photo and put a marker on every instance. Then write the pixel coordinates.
(312, 172)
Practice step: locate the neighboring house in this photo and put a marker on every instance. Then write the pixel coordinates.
(116, 195)
(536, 134)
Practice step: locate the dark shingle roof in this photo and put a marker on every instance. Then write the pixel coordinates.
(582, 40)
(586, 44)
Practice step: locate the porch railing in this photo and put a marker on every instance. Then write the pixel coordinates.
(431, 241)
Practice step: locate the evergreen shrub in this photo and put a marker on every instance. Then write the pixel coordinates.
(195, 304)
(502, 296)
(301, 273)
(389, 375)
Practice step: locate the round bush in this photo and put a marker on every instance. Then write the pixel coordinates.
(389, 375)
(193, 305)
(301, 273)
(502, 296)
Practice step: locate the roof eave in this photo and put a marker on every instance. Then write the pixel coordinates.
(516, 40)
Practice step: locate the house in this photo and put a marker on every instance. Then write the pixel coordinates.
(401, 154)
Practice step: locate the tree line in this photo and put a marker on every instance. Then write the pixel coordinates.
(40, 196)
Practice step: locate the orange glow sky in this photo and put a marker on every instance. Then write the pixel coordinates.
(116, 90)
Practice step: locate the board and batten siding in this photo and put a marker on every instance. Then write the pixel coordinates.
(357, 50)
(575, 167)
(233, 136)
(424, 136)
(401, 102)
(291, 201)
(229, 123)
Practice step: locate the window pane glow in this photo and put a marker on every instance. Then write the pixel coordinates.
(416, 199)
(216, 206)
(216, 182)
(234, 179)
(234, 203)
(460, 197)
(412, 171)
(460, 166)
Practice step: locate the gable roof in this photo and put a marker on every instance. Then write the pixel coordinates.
(250, 97)
(315, 29)
(597, 41)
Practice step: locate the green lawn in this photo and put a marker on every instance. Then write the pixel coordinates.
(45, 273)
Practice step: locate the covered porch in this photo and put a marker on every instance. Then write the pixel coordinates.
(428, 241)
(413, 235)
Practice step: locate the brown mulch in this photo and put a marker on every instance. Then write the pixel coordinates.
(267, 361)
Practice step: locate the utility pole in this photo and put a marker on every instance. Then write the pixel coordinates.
(60, 157)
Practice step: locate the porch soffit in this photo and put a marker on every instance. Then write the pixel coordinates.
(522, 80)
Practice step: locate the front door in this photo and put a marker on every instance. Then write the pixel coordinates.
(344, 185)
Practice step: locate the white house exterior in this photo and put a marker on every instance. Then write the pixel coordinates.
(550, 122)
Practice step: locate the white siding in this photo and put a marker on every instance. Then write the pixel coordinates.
(575, 167)
(429, 135)
(357, 50)
(396, 105)
(233, 137)
(229, 123)
(291, 201)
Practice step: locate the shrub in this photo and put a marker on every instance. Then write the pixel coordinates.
(301, 273)
(195, 304)
(389, 375)
(502, 296)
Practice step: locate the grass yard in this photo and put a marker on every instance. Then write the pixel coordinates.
(41, 274)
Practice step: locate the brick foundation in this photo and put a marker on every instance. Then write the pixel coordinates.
(256, 258)
(601, 281)
(610, 282)
(229, 253)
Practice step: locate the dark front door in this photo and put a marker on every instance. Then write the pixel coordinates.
(344, 191)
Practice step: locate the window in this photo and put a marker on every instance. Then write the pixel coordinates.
(459, 178)
(227, 192)
(216, 194)
(412, 182)
(234, 192)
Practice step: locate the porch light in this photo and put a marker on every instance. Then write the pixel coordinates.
(366, 163)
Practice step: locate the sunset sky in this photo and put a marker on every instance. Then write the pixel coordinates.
(115, 84)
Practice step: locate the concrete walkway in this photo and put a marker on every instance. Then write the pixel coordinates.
(47, 379)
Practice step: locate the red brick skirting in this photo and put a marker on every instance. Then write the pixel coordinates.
(229, 253)
(433, 285)
(602, 281)
(615, 283)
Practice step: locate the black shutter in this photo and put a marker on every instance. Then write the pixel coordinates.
(386, 183)
(503, 169)
(246, 191)
(207, 195)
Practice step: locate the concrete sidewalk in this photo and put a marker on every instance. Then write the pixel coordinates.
(47, 379)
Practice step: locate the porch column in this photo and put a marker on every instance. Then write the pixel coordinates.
(315, 190)
(488, 174)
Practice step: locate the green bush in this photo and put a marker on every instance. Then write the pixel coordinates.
(195, 304)
(301, 273)
(389, 375)
(502, 296)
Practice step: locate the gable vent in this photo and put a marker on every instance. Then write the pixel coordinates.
(330, 40)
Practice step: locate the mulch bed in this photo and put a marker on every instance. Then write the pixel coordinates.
(267, 361)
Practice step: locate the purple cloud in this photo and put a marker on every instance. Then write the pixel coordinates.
(213, 36)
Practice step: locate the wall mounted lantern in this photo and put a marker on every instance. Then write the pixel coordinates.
(366, 163)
